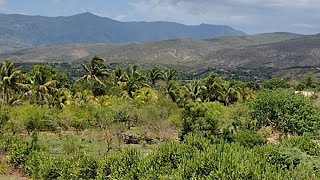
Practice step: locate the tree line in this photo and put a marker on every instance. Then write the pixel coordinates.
(46, 85)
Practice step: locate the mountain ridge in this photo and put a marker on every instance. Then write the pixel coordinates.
(23, 31)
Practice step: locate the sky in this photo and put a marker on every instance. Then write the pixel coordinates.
(250, 16)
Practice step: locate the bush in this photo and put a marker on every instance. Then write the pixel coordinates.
(249, 138)
(121, 165)
(201, 118)
(4, 118)
(194, 158)
(285, 111)
(275, 83)
(305, 143)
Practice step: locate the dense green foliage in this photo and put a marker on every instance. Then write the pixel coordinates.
(285, 111)
(194, 158)
(132, 123)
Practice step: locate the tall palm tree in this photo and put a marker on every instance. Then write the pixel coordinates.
(95, 71)
(171, 90)
(154, 75)
(10, 80)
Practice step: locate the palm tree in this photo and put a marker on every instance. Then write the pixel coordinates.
(95, 71)
(170, 74)
(195, 90)
(134, 79)
(41, 93)
(172, 90)
(154, 75)
(43, 86)
(120, 75)
(63, 98)
(231, 93)
(177, 93)
(145, 94)
(10, 80)
(214, 87)
(85, 98)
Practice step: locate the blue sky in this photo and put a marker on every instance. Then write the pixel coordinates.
(251, 16)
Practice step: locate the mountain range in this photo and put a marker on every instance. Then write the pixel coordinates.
(193, 49)
(284, 54)
(22, 31)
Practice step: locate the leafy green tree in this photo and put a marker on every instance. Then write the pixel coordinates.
(45, 81)
(275, 83)
(145, 94)
(171, 89)
(41, 93)
(63, 98)
(285, 111)
(120, 75)
(310, 81)
(41, 74)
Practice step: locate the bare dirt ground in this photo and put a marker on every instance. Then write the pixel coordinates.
(12, 177)
(9, 173)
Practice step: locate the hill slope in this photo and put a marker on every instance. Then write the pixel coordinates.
(284, 53)
(163, 52)
(18, 31)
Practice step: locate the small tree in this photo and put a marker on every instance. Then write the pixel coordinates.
(201, 118)
(310, 81)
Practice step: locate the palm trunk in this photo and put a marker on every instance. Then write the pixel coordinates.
(5, 95)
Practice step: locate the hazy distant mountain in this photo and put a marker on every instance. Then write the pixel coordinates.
(19, 31)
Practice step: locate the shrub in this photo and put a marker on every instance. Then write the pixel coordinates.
(201, 118)
(285, 111)
(305, 143)
(121, 165)
(4, 118)
(249, 138)
(275, 83)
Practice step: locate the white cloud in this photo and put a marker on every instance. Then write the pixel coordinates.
(302, 25)
(252, 16)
